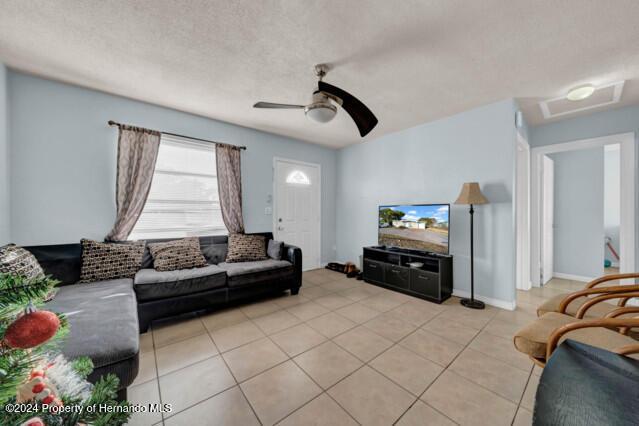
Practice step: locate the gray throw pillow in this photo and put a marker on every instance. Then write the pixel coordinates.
(274, 249)
(15, 260)
(246, 248)
(109, 261)
(177, 254)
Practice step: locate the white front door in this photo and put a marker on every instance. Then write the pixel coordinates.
(297, 207)
(547, 222)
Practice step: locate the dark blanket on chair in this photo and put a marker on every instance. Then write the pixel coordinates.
(584, 385)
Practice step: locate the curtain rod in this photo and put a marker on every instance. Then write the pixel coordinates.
(115, 123)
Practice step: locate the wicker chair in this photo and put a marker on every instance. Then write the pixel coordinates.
(540, 338)
(572, 303)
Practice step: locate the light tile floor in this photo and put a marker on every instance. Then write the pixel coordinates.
(342, 352)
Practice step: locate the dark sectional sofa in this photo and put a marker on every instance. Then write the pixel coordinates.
(107, 317)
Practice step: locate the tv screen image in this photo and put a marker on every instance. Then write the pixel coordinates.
(416, 226)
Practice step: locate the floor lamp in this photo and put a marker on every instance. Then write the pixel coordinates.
(471, 194)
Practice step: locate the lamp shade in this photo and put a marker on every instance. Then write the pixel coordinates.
(471, 194)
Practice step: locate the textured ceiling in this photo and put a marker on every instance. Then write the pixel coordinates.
(409, 61)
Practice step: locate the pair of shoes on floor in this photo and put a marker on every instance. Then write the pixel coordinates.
(347, 268)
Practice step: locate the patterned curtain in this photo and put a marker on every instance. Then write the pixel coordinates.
(229, 184)
(137, 154)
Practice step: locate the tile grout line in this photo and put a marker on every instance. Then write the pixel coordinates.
(331, 339)
(323, 391)
(364, 364)
(219, 353)
(157, 374)
(367, 363)
(522, 395)
(419, 397)
(237, 384)
(467, 346)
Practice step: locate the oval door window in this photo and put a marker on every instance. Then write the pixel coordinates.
(298, 177)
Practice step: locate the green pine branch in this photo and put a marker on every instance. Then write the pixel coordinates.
(18, 290)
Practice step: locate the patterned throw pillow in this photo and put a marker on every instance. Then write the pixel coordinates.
(178, 254)
(109, 261)
(246, 248)
(15, 260)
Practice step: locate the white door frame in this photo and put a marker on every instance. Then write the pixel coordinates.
(627, 230)
(547, 220)
(522, 215)
(319, 201)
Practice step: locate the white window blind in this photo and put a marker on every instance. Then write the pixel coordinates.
(183, 200)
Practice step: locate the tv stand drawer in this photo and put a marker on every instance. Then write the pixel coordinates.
(424, 282)
(373, 270)
(397, 276)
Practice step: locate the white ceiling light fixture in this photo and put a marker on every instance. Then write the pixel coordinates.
(321, 110)
(582, 98)
(580, 92)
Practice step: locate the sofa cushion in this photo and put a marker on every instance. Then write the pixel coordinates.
(150, 284)
(597, 311)
(274, 249)
(246, 248)
(214, 253)
(103, 318)
(109, 261)
(242, 268)
(177, 254)
(18, 261)
(250, 273)
(532, 339)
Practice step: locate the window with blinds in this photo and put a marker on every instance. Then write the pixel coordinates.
(183, 200)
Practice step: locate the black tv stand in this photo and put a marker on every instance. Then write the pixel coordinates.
(389, 267)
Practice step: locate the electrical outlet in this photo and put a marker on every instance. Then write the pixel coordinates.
(268, 210)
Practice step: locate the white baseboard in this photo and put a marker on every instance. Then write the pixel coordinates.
(572, 277)
(498, 303)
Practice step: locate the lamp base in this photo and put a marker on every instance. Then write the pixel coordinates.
(472, 303)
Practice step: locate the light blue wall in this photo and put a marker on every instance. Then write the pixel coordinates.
(579, 213)
(428, 164)
(5, 235)
(621, 120)
(63, 158)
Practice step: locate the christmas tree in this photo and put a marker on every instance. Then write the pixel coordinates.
(38, 386)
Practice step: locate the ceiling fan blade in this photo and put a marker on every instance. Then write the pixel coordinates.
(361, 115)
(272, 105)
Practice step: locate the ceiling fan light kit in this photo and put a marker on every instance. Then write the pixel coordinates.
(322, 109)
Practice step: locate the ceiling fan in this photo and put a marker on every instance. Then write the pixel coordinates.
(322, 110)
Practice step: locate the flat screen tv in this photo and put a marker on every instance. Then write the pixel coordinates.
(414, 226)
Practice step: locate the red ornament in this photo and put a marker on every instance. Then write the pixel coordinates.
(48, 400)
(32, 329)
(36, 373)
(38, 388)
